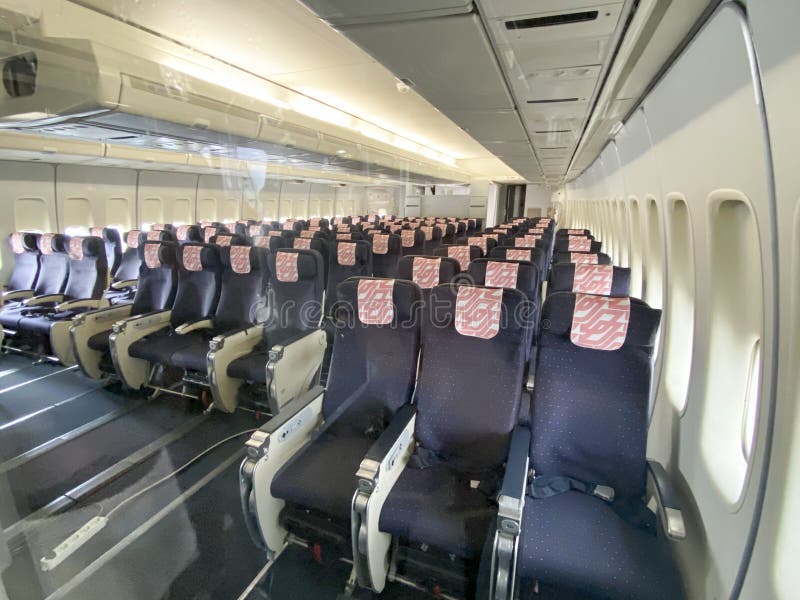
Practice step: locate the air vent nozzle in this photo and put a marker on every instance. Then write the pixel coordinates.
(551, 20)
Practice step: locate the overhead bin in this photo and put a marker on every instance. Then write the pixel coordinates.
(349, 12)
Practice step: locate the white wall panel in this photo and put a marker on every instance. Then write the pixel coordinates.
(95, 196)
(177, 192)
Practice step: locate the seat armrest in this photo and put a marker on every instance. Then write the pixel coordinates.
(667, 505)
(145, 320)
(383, 445)
(123, 284)
(294, 410)
(194, 326)
(236, 337)
(276, 350)
(83, 303)
(44, 299)
(10, 295)
(515, 479)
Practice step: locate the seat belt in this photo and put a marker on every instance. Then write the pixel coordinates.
(547, 487)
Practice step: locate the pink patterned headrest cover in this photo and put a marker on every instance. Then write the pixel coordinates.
(461, 254)
(593, 279)
(515, 254)
(302, 243)
(375, 305)
(76, 248)
(151, 258)
(240, 259)
(501, 275)
(380, 243)
(478, 311)
(191, 258)
(583, 258)
(600, 322)
(425, 272)
(407, 236)
(286, 266)
(579, 244)
(346, 253)
(480, 242)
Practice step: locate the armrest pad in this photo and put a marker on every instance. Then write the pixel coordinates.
(669, 510)
(73, 304)
(288, 342)
(17, 294)
(44, 299)
(291, 409)
(236, 336)
(125, 283)
(384, 443)
(155, 317)
(516, 474)
(194, 326)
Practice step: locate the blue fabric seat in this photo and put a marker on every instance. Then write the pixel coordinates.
(26, 261)
(373, 367)
(580, 542)
(347, 259)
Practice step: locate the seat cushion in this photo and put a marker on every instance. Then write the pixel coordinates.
(437, 506)
(36, 325)
(10, 317)
(578, 541)
(192, 356)
(159, 346)
(99, 341)
(323, 475)
(251, 367)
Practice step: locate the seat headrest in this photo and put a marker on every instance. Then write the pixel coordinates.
(289, 265)
(376, 301)
(49, 243)
(244, 259)
(504, 273)
(23, 241)
(349, 254)
(428, 271)
(601, 280)
(157, 254)
(463, 254)
(107, 234)
(156, 235)
(86, 247)
(189, 233)
(481, 312)
(229, 239)
(132, 238)
(600, 322)
(196, 257)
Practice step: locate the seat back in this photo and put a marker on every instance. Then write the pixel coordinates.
(26, 260)
(211, 231)
(412, 240)
(463, 254)
(377, 342)
(244, 280)
(505, 273)
(348, 259)
(471, 373)
(590, 403)
(257, 230)
(158, 277)
(54, 264)
(113, 246)
(296, 289)
(88, 270)
(387, 250)
(537, 256)
(199, 276)
(433, 238)
(601, 280)
(189, 233)
(588, 258)
(318, 242)
(486, 244)
(577, 243)
(131, 257)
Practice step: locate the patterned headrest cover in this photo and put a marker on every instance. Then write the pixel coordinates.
(537, 230)
(501, 274)
(314, 222)
(461, 254)
(517, 254)
(576, 232)
(600, 322)
(307, 233)
(288, 226)
(524, 242)
(15, 240)
(494, 236)
(154, 234)
(132, 238)
(375, 306)
(380, 243)
(261, 241)
(158, 227)
(286, 267)
(583, 258)
(355, 220)
(346, 253)
(151, 255)
(344, 236)
(274, 234)
(428, 231)
(579, 244)
(478, 311)
(302, 242)
(191, 258)
(46, 243)
(593, 279)
(240, 259)
(208, 233)
(413, 225)
(407, 236)
(224, 240)
(443, 228)
(480, 242)
(76, 248)
(254, 230)
(182, 232)
(425, 271)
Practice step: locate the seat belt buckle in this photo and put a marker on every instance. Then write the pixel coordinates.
(604, 492)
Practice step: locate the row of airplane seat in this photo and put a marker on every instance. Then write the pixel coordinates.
(450, 382)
